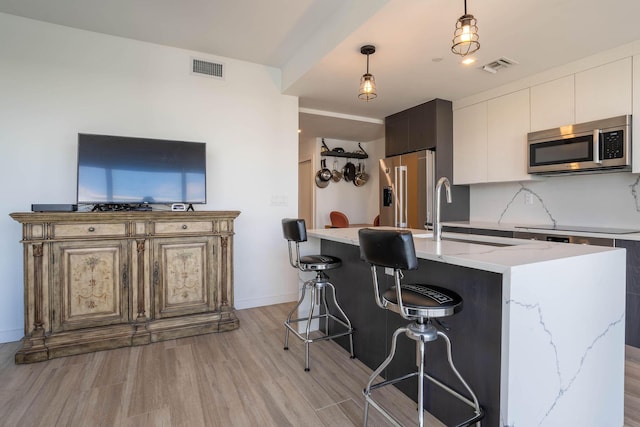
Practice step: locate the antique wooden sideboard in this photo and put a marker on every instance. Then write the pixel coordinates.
(102, 280)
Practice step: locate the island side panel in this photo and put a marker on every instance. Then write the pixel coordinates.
(566, 342)
(475, 332)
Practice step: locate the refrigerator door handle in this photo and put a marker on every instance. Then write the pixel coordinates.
(400, 212)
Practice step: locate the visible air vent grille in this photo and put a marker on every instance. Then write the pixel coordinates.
(207, 68)
(499, 64)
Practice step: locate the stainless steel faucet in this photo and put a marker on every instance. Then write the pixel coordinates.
(437, 227)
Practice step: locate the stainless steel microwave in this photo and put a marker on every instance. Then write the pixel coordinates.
(596, 146)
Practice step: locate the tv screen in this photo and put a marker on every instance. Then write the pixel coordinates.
(124, 170)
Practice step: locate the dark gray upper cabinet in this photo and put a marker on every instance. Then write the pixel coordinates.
(429, 126)
(396, 133)
(422, 127)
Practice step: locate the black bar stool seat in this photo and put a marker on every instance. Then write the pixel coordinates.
(423, 301)
(295, 231)
(319, 262)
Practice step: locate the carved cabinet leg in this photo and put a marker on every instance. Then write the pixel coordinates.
(141, 334)
(33, 344)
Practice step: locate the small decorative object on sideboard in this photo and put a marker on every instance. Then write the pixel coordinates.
(53, 207)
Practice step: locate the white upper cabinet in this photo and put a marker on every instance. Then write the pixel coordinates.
(470, 144)
(553, 104)
(507, 128)
(490, 137)
(604, 91)
(490, 140)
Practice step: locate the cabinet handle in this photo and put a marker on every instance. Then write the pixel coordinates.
(92, 229)
(184, 226)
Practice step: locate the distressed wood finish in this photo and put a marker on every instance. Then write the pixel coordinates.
(101, 280)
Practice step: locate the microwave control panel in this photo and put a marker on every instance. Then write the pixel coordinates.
(612, 145)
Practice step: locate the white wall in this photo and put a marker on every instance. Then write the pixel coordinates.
(56, 82)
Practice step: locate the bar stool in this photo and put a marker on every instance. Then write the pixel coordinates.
(417, 303)
(295, 231)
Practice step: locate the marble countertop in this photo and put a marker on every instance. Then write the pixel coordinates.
(523, 227)
(476, 251)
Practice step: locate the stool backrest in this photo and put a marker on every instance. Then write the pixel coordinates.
(388, 248)
(338, 219)
(294, 230)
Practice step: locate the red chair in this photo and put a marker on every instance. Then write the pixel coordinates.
(338, 220)
(376, 221)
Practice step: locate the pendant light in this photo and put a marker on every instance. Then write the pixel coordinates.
(367, 81)
(465, 38)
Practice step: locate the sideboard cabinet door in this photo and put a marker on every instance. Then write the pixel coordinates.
(90, 284)
(184, 278)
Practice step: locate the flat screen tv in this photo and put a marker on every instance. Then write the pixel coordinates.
(125, 170)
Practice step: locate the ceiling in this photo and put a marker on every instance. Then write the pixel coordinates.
(316, 44)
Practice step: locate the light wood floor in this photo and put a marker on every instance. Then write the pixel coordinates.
(237, 378)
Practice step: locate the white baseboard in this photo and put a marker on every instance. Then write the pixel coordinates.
(260, 302)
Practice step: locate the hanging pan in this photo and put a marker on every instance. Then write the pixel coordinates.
(336, 175)
(349, 171)
(319, 181)
(323, 176)
(361, 177)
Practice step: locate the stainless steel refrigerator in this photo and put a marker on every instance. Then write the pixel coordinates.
(407, 184)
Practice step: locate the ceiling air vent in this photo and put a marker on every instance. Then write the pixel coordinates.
(499, 64)
(207, 68)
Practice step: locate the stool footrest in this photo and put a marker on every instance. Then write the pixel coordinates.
(323, 337)
(393, 381)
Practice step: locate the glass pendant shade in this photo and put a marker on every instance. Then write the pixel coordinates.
(367, 90)
(465, 38)
(367, 87)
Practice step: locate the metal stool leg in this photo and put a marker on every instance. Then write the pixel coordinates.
(323, 297)
(347, 322)
(314, 291)
(372, 378)
(420, 345)
(288, 321)
(474, 402)
(318, 297)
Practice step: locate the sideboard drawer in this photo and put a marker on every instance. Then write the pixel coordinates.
(88, 230)
(174, 227)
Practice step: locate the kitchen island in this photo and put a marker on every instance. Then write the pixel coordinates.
(540, 338)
